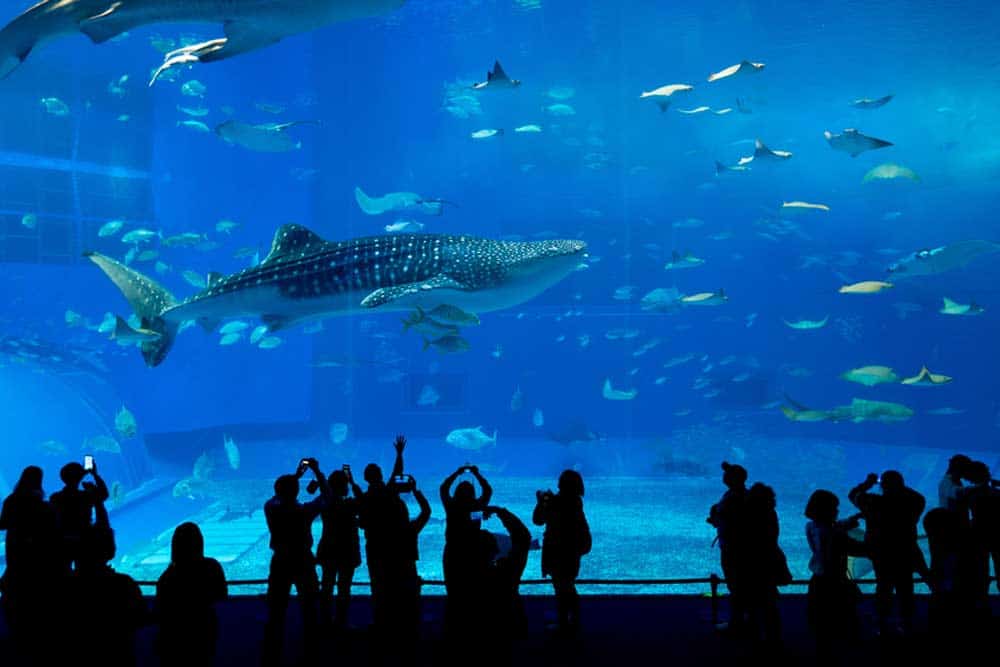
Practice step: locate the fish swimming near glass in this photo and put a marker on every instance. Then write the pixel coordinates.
(930, 261)
(306, 278)
(248, 24)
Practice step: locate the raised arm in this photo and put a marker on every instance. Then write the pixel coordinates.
(540, 515)
(399, 445)
(445, 490)
(859, 494)
(100, 492)
(487, 490)
(425, 510)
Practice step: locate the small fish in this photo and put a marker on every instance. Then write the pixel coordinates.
(537, 418)
(226, 226)
(193, 88)
(447, 314)
(528, 129)
(194, 112)
(448, 344)
(865, 287)
(516, 400)
(273, 109)
(73, 318)
(497, 352)
(230, 339)
(795, 206)
(147, 256)
(161, 267)
(404, 226)
(103, 443)
(125, 423)
(269, 342)
(110, 228)
(705, 299)
(257, 334)
(870, 376)
(487, 133)
(232, 452)
(338, 433)
(560, 110)
(29, 220)
(428, 396)
(888, 172)
(613, 394)
(195, 125)
(685, 261)
(54, 106)
(233, 327)
(53, 448)
(194, 279)
(140, 236)
(945, 411)
(124, 118)
(868, 103)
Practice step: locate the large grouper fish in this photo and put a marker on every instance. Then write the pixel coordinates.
(248, 24)
(305, 278)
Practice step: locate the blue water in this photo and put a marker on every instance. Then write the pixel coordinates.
(617, 174)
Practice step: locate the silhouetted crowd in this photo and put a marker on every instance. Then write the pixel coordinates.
(59, 591)
(962, 533)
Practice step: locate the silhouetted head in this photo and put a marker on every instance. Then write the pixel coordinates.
(734, 475)
(958, 464)
(30, 482)
(942, 527)
(571, 483)
(338, 483)
(373, 474)
(978, 473)
(71, 474)
(891, 481)
(97, 546)
(465, 493)
(286, 487)
(822, 507)
(187, 544)
(762, 495)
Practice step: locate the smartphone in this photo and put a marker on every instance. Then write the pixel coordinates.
(475, 516)
(88, 462)
(401, 479)
(304, 463)
(346, 468)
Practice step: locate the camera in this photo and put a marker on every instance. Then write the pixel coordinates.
(475, 516)
(304, 463)
(88, 462)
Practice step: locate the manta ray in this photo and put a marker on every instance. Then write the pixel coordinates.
(248, 24)
(854, 143)
(930, 261)
(306, 278)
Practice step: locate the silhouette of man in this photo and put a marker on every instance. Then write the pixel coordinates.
(339, 550)
(105, 608)
(727, 516)
(401, 581)
(377, 511)
(186, 594)
(951, 492)
(462, 521)
(766, 567)
(501, 608)
(292, 561)
(28, 582)
(891, 539)
(984, 502)
(74, 508)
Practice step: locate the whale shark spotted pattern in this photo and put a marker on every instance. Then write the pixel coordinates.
(306, 278)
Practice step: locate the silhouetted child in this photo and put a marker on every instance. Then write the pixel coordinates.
(104, 608)
(29, 582)
(833, 597)
(74, 508)
(567, 539)
(186, 595)
(339, 550)
(891, 541)
(292, 561)
(727, 517)
(463, 514)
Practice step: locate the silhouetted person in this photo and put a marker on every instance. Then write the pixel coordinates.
(833, 597)
(74, 508)
(339, 550)
(891, 541)
(186, 595)
(984, 503)
(567, 539)
(765, 564)
(30, 548)
(378, 508)
(955, 582)
(292, 561)
(463, 517)
(401, 587)
(951, 492)
(727, 517)
(500, 609)
(104, 608)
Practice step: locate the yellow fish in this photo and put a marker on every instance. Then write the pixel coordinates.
(865, 287)
(927, 379)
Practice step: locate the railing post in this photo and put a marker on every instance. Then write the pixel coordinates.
(713, 582)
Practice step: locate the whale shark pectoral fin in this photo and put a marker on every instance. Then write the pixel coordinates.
(107, 24)
(384, 295)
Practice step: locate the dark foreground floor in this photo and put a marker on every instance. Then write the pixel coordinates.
(659, 630)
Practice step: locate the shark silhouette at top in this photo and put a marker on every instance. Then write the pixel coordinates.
(306, 278)
(248, 24)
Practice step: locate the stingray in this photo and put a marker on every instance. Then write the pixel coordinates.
(930, 261)
(263, 138)
(854, 143)
(398, 202)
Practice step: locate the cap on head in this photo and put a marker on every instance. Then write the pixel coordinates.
(733, 474)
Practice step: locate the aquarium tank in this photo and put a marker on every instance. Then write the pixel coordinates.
(630, 239)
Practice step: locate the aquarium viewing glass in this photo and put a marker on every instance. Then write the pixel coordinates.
(672, 235)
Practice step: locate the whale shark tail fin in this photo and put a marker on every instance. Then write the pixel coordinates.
(148, 299)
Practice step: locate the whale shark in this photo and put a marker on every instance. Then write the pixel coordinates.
(248, 24)
(306, 278)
